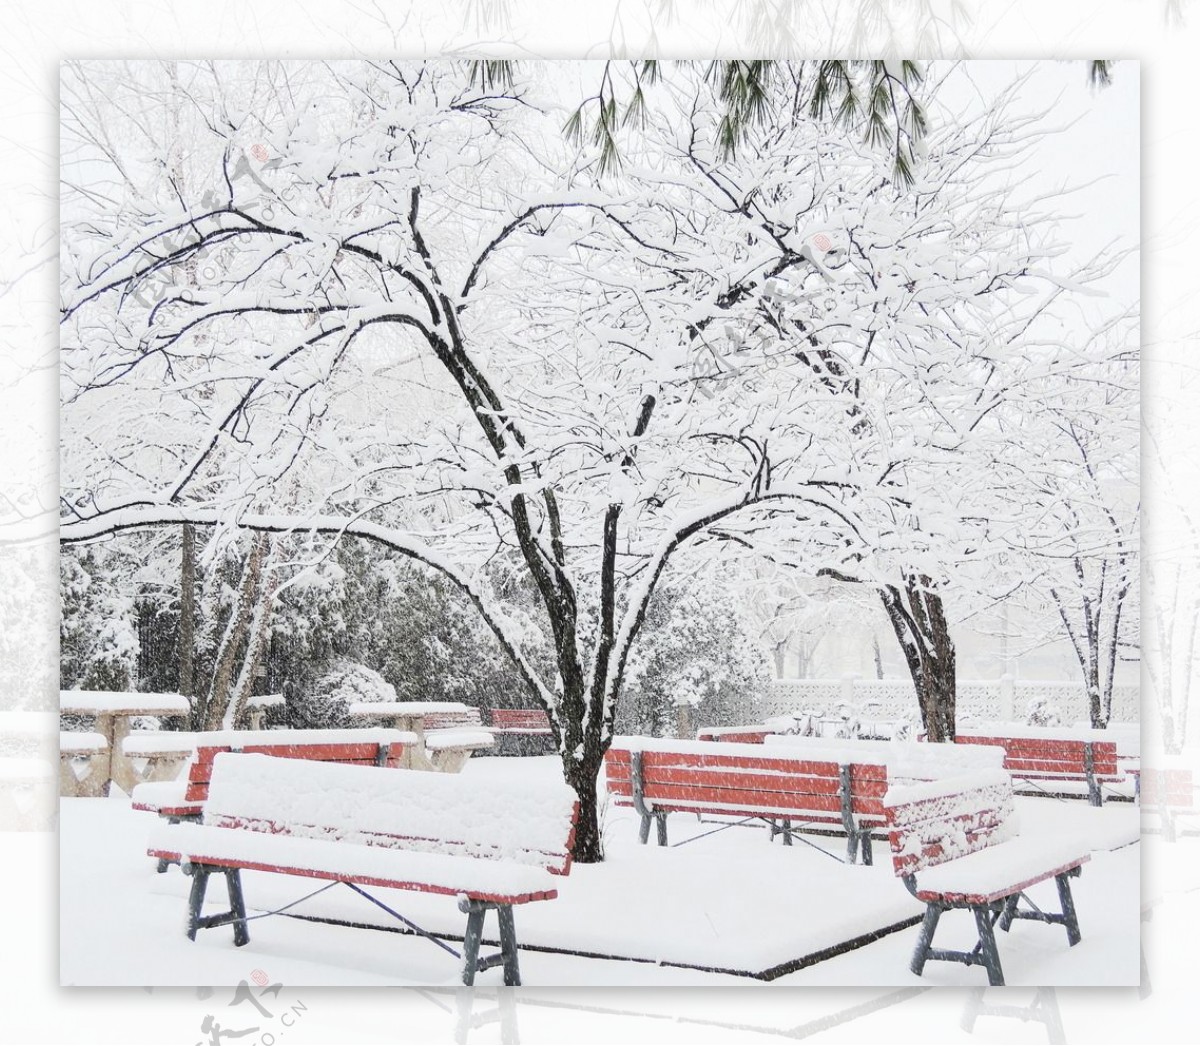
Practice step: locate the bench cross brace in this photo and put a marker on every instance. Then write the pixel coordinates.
(987, 915)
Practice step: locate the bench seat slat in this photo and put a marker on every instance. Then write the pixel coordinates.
(752, 764)
(721, 780)
(663, 796)
(1000, 869)
(499, 882)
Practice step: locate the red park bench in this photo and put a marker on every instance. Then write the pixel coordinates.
(1171, 793)
(954, 843)
(746, 735)
(183, 799)
(1037, 761)
(789, 791)
(490, 847)
(521, 731)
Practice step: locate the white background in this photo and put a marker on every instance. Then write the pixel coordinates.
(1163, 35)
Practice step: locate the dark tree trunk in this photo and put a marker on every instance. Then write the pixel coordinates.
(583, 776)
(919, 620)
(187, 613)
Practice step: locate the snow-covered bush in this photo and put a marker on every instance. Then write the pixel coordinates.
(1042, 712)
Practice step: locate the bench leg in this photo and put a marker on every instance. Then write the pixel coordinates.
(660, 818)
(783, 828)
(644, 829)
(987, 943)
(867, 856)
(1068, 908)
(928, 927)
(508, 945)
(471, 941)
(196, 899)
(1009, 912)
(237, 906)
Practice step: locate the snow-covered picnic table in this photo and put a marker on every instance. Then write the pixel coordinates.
(27, 795)
(447, 731)
(112, 714)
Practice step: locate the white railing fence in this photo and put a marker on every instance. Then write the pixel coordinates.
(1005, 699)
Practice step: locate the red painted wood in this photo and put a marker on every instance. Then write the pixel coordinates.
(978, 827)
(780, 764)
(525, 719)
(747, 736)
(361, 753)
(951, 897)
(716, 799)
(398, 884)
(654, 777)
(1168, 788)
(1046, 756)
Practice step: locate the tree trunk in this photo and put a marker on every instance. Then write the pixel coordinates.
(187, 613)
(919, 620)
(583, 777)
(220, 693)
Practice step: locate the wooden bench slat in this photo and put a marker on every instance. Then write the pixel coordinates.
(769, 764)
(718, 780)
(775, 803)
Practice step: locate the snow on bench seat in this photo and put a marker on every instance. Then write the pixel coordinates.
(955, 844)
(997, 871)
(370, 826)
(905, 760)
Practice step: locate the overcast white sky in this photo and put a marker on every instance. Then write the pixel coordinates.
(1100, 144)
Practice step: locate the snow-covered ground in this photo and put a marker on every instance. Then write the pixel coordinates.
(718, 899)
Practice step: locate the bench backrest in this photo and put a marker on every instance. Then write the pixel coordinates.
(1050, 756)
(398, 809)
(741, 778)
(1171, 787)
(353, 747)
(744, 735)
(938, 821)
(468, 717)
(520, 719)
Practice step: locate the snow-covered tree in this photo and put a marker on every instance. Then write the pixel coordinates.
(420, 317)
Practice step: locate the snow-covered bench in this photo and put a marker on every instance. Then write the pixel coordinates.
(521, 731)
(183, 799)
(1040, 757)
(954, 843)
(1170, 792)
(363, 826)
(792, 791)
(793, 783)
